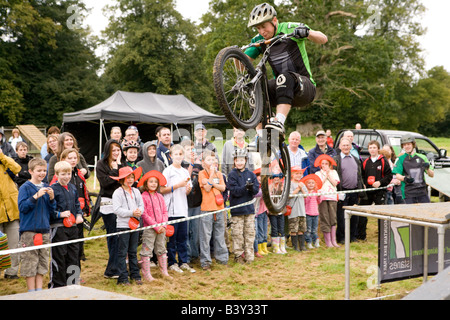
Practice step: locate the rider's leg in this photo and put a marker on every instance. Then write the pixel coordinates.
(286, 85)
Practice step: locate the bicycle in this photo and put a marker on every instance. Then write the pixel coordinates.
(242, 93)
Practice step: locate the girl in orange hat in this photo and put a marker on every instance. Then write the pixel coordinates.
(155, 212)
(127, 205)
(297, 218)
(313, 185)
(328, 206)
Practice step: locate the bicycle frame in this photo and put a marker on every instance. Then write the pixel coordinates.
(261, 73)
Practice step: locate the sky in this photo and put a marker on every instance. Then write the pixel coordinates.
(434, 42)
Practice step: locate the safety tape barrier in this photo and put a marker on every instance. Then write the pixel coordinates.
(62, 243)
(49, 245)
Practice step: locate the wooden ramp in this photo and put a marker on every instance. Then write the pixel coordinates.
(32, 134)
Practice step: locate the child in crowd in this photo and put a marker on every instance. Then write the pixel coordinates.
(150, 161)
(297, 218)
(410, 169)
(155, 212)
(64, 227)
(328, 206)
(313, 185)
(261, 220)
(243, 186)
(376, 173)
(128, 207)
(277, 220)
(193, 165)
(212, 185)
(36, 205)
(175, 195)
(22, 158)
(73, 157)
(131, 152)
(15, 138)
(393, 193)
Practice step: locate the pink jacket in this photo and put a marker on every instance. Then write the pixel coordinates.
(155, 210)
(312, 204)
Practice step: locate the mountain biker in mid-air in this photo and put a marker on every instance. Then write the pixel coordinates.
(294, 85)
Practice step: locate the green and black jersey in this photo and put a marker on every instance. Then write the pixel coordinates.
(412, 165)
(288, 55)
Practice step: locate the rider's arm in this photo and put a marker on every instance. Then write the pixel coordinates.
(317, 37)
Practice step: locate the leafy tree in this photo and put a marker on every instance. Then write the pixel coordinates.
(54, 67)
(152, 49)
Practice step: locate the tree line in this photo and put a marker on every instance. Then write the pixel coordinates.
(371, 70)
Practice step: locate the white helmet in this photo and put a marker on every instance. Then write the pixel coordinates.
(261, 13)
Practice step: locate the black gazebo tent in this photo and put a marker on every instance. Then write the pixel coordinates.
(146, 110)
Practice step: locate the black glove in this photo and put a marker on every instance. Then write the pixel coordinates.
(301, 32)
(409, 179)
(426, 165)
(249, 186)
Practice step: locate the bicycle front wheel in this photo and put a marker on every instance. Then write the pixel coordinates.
(275, 173)
(240, 100)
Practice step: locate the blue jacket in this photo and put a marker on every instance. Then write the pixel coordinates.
(314, 153)
(34, 214)
(65, 200)
(239, 194)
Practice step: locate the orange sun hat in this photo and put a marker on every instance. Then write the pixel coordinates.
(153, 174)
(126, 171)
(314, 177)
(319, 159)
(298, 169)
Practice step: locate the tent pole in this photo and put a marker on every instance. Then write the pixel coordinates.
(100, 140)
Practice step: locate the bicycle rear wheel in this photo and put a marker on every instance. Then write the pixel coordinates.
(275, 173)
(240, 101)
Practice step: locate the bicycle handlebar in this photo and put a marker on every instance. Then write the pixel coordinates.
(267, 42)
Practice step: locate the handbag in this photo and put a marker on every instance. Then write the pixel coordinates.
(219, 199)
(218, 196)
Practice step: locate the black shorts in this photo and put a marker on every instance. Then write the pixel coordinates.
(286, 90)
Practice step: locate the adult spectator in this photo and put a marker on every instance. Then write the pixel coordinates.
(116, 134)
(51, 131)
(330, 141)
(297, 153)
(132, 134)
(358, 126)
(163, 149)
(66, 140)
(6, 147)
(321, 148)
(52, 146)
(15, 138)
(9, 210)
(106, 168)
(229, 150)
(350, 175)
(201, 143)
(355, 150)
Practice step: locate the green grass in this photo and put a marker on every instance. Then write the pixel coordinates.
(317, 274)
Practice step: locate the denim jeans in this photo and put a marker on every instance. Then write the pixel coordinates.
(110, 223)
(127, 245)
(193, 233)
(178, 243)
(261, 228)
(312, 223)
(276, 226)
